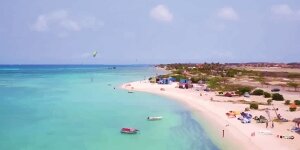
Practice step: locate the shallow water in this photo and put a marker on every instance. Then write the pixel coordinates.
(76, 107)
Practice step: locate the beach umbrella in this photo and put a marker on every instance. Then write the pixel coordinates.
(95, 54)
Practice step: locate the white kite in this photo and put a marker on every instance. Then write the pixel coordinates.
(95, 54)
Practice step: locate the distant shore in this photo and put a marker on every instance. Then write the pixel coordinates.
(213, 119)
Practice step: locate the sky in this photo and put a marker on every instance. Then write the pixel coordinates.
(148, 31)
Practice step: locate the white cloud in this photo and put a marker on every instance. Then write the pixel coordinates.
(70, 25)
(285, 11)
(161, 13)
(282, 9)
(41, 24)
(62, 21)
(228, 13)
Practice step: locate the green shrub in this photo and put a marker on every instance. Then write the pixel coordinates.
(243, 90)
(258, 92)
(178, 77)
(287, 102)
(195, 79)
(253, 106)
(267, 95)
(269, 101)
(297, 102)
(293, 109)
(163, 76)
(277, 97)
(213, 83)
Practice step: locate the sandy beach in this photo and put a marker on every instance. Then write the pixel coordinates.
(212, 115)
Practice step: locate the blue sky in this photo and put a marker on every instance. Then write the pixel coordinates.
(148, 31)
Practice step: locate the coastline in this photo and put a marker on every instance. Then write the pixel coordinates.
(211, 116)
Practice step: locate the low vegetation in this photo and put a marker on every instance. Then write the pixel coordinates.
(258, 92)
(267, 95)
(178, 77)
(287, 102)
(269, 101)
(277, 97)
(253, 106)
(293, 85)
(297, 102)
(243, 90)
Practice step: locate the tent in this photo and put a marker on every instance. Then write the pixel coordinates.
(172, 79)
(164, 81)
(246, 94)
(183, 81)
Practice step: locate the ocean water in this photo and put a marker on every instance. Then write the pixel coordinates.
(75, 107)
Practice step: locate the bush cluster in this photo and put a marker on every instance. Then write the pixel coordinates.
(287, 102)
(277, 97)
(253, 106)
(297, 102)
(178, 77)
(195, 79)
(267, 95)
(243, 90)
(269, 101)
(258, 92)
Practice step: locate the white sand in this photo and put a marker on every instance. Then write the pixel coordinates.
(237, 135)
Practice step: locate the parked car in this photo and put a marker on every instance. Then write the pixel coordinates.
(275, 90)
(206, 90)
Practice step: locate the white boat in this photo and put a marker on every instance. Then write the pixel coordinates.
(154, 118)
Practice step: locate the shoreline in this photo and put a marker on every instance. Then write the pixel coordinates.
(237, 135)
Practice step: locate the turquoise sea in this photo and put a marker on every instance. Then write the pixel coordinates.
(75, 107)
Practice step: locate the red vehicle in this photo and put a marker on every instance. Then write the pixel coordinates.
(129, 130)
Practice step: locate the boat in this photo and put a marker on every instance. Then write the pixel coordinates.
(129, 130)
(154, 118)
(130, 91)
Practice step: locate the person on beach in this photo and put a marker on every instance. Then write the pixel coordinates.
(272, 124)
(267, 124)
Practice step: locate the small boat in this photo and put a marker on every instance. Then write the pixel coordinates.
(129, 130)
(130, 91)
(154, 118)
